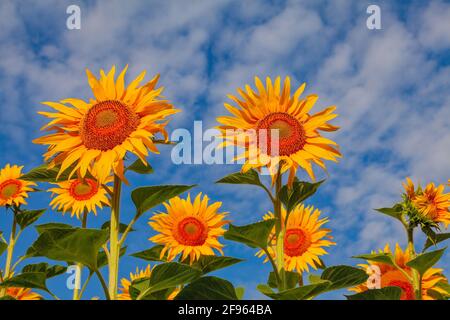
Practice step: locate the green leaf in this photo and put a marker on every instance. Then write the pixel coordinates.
(208, 288)
(314, 278)
(50, 271)
(139, 167)
(122, 227)
(146, 198)
(250, 177)
(387, 293)
(292, 279)
(425, 261)
(43, 174)
(33, 280)
(395, 212)
(208, 263)
(7, 298)
(298, 193)
(41, 228)
(332, 278)
(26, 217)
(377, 257)
(254, 235)
(435, 239)
(71, 245)
(343, 277)
(152, 254)
(300, 293)
(240, 291)
(165, 276)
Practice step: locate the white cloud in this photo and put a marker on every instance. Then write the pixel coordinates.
(435, 25)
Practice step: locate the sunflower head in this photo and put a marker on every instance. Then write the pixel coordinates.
(97, 134)
(304, 238)
(433, 204)
(401, 276)
(13, 190)
(190, 228)
(79, 195)
(410, 190)
(22, 294)
(257, 114)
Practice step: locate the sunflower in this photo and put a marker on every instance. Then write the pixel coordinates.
(392, 276)
(190, 228)
(434, 204)
(410, 189)
(304, 239)
(13, 190)
(22, 294)
(299, 142)
(100, 132)
(78, 195)
(140, 274)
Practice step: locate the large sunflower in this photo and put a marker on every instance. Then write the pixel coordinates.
(271, 107)
(13, 190)
(22, 294)
(78, 195)
(190, 228)
(99, 133)
(391, 276)
(140, 274)
(304, 238)
(432, 203)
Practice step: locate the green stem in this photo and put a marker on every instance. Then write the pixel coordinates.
(274, 265)
(22, 258)
(416, 279)
(114, 251)
(103, 283)
(279, 228)
(128, 229)
(83, 289)
(9, 253)
(76, 290)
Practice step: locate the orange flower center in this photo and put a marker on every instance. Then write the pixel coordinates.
(83, 190)
(296, 242)
(407, 289)
(397, 279)
(107, 124)
(191, 232)
(291, 134)
(10, 188)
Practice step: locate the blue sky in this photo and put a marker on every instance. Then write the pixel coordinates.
(391, 87)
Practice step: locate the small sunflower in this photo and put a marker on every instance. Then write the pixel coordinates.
(78, 195)
(100, 132)
(410, 189)
(22, 294)
(190, 228)
(140, 274)
(304, 239)
(299, 145)
(434, 204)
(391, 276)
(13, 190)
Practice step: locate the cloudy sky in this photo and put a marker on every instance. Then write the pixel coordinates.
(391, 87)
